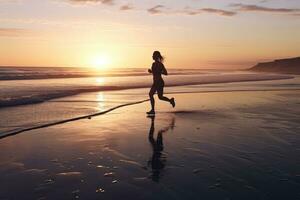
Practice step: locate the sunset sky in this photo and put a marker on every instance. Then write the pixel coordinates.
(115, 33)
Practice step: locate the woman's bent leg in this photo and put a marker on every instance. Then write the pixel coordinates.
(160, 93)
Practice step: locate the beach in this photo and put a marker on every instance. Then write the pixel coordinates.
(237, 140)
(149, 100)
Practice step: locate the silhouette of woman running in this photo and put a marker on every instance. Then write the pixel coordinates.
(157, 70)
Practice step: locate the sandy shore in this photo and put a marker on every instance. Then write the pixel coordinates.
(216, 145)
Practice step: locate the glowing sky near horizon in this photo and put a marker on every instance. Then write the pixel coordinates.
(190, 33)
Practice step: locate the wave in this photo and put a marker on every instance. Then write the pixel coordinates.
(34, 73)
(42, 93)
(42, 97)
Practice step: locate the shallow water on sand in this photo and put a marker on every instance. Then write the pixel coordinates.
(26, 116)
(216, 145)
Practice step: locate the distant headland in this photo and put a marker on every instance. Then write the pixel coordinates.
(288, 65)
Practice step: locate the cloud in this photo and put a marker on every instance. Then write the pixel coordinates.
(126, 7)
(256, 8)
(13, 32)
(10, 1)
(106, 2)
(219, 11)
(156, 9)
(160, 9)
(263, 1)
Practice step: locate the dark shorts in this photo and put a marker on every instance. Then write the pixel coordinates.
(157, 86)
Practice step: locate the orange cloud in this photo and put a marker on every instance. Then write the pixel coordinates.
(13, 32)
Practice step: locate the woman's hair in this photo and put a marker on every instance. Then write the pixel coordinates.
(158, 56)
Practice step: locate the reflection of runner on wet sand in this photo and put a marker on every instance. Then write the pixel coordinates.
(158, 160)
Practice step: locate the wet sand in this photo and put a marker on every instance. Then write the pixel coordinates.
(216, 145)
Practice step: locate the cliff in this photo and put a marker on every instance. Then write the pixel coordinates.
(289, 65)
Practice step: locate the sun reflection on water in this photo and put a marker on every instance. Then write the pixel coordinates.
(100, 99)
(100, 81)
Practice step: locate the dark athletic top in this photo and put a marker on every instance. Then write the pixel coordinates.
(157, 70)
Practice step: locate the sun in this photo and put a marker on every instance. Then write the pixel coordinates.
(100, 61)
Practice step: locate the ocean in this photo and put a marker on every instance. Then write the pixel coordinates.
(32, 96)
